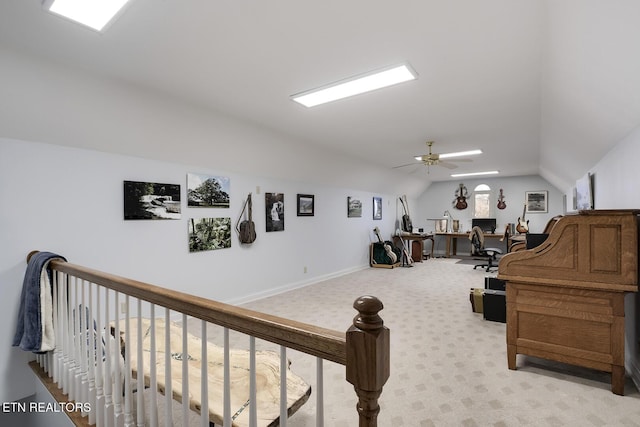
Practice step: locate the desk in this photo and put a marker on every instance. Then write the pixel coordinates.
(418, 240)
(452, 241)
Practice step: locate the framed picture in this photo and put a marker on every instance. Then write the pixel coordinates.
(584, 193)
(151, 200)
(354, 208)
(274, 211)
(377, 208)
(206, 234)
(207, 191)
(306, 204)
(536, 201)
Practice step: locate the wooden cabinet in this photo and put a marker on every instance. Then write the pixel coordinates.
(565, 298)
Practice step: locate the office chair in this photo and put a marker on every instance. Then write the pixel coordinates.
(477, 249)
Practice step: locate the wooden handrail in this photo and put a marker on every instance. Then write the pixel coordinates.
(316, 341)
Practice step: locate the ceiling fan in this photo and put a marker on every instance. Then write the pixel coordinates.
(434, 159)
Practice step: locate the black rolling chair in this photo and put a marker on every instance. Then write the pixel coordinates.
(478, 250)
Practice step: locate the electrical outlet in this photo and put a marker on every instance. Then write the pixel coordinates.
(305, 269)
(123, 308)
(257, 189)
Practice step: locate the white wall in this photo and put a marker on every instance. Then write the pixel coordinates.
(440, 196)
(69, 201)
(616, 179)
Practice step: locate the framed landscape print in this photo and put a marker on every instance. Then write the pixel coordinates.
(274, 211)
(151, 200)
(536, 201)
(206, 234)
(377, 208)
(354, 207)
(306, 204)
(207, 191)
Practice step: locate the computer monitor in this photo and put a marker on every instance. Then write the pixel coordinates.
(487, 225)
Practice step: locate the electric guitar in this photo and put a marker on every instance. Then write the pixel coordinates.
(501, 203)
(387, 248)
(523, 226)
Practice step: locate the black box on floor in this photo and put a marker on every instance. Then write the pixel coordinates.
(494, 283)
(494, 305)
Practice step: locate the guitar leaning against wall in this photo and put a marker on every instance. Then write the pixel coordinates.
(387, 248)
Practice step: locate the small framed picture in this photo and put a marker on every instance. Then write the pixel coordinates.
(306, 204)
(536, 201)
(354, 207)
(377, 208)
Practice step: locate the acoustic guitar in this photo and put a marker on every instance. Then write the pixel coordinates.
(501, 203)
(387, 248)
(523, 226)
(461, 198)
(406, 220)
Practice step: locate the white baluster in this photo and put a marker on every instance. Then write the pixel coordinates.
(66, 326)
(140, 371)
(204, 379)
(57, 327)
(168, 389)
(100, 373)
(153, 381)
(91, 363)
(74, 344)
(319, 393)
(227, 381)
(128, 416)
(283, 386)
(83, 330)
(253, 410)
(117, 389)
(109, 409)
(185, 373)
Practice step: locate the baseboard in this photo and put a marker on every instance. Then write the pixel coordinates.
(296, 285)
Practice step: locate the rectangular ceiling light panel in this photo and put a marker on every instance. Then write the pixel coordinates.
(95, 14)
(457, 175)
(356, 85)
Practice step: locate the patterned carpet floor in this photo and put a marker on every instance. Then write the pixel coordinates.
(448, 364)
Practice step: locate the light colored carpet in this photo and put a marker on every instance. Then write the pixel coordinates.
(448, 365)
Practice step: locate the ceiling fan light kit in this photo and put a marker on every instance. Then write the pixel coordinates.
(435, 159)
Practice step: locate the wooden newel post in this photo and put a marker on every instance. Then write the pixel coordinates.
(368, 358)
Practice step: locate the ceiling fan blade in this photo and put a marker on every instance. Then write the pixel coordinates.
(459, 160)
(408, 164)
(447, 165)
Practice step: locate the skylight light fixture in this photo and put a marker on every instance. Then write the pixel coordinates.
(94, 14)
(356, 85)
(457, 175)
(460, 154)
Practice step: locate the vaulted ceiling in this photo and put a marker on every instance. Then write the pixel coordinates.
(542, 87)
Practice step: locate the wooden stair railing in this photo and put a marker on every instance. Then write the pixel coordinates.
(364, 349)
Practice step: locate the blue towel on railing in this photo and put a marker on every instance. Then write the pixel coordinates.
(35, 317)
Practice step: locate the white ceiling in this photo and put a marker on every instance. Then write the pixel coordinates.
(541, 87)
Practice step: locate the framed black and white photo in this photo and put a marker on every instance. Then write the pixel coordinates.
(354, 207)
(207, 191)
(536, 201)
(151, 200)
(207, 234)
(306, 204)
(274, 211)
(377, 208)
